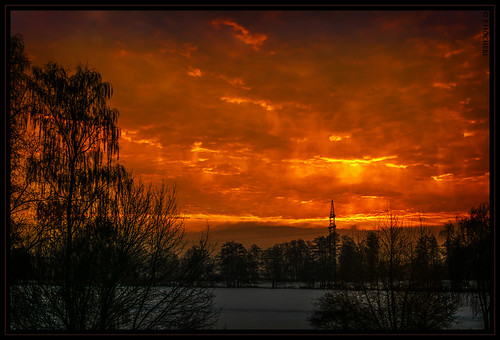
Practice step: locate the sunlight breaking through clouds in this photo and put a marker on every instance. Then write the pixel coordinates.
(261, 103)
(443, 177)
(338, 138)
(194, 72)
(130, 135)
(364, 160)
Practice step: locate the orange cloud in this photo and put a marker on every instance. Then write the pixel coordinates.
(194, 72)
(446, 86)
(255, 40)
(130, 135)
(262, 103)
(235, 82)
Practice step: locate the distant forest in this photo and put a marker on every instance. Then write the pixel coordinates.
(91, 247)
(342, 261)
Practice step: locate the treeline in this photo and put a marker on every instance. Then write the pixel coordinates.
(342, 261)
(305, 262)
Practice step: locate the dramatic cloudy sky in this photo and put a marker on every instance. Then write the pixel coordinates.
(266, 116)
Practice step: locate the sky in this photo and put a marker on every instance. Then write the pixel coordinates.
(263, 117)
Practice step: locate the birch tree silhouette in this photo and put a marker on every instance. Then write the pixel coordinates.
(79, 135)
(106, 244)
(23, 146)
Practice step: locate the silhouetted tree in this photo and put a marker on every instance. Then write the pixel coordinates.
(163, 292)
(298, 260)
(343, 310)
(369, 311)
(104, 243)
(126, 266)
(325, 259)
(308, 274)
(274, 264)
(349, 260)
(79, 141)
(255, 261)
(22, 147)
(428, 263)
(470, 257)
(455, 256)
(21, 143)
(234, 261)
(391, 302)
(199, 263)
(370, 248)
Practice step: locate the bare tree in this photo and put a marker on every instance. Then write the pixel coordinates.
(233, 259)
(370, 248)
(107, 248)
(324, 252)
(469, 249)
(162, 292)
(393, 301)
(349, 260)
(126, 269)
(199, 262)
(274, 264)
(74, 168)
(23, 147)
(255, 262)
(19, 138)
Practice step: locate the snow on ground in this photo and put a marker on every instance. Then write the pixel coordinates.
(467, 321)
(287, 309)
(262, 308)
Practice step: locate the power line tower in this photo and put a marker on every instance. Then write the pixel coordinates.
(332, 225)
(332, 228)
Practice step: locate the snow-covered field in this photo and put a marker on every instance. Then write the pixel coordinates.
(287, 309)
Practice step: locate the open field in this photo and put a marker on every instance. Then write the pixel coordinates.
(288, 309)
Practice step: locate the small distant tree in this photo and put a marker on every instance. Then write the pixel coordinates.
(324, 252)
(349, 260)
(199, 263)
(298, 260)
(308, 274)
(255, 262)
(274, 264)
(234, 263)
(370, 249)
(428, 262)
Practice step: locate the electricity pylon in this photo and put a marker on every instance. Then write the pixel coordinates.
(333, 243)
(332, 225)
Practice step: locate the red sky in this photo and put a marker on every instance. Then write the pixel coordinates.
(265, 116)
